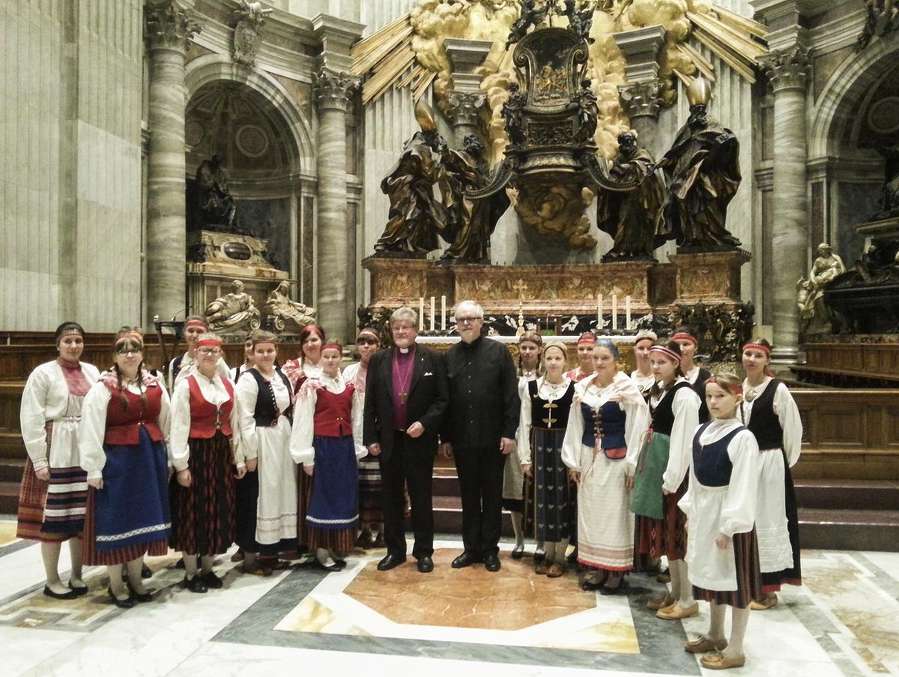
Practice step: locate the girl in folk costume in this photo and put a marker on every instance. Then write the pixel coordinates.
(585, 343)
(642, 376)
(771, 414)
(529, 346)
(308, 363)
(327, 440)
(695, 375)
(237, 371)
(371, 515)
(194, 327)
(205, 428)
(602, 440)
(124, 425)
(545, 406)
(661, 479)
(267, 494)
(721, 508)
(54, 487)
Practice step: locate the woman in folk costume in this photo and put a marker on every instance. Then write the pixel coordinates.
(54, 487)
(247, 363)
(720, 505)
(661, 479)
(585, 344)
(605, 426)
(205, 430)
(327, 440)
(529, 346)
(122, 442)
(545, 406)
(770, 412)
(642, 376)
(267, 494)
(179, 367)
(371, 515)
(696, 376)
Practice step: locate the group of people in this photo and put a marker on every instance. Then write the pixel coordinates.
(669, 461)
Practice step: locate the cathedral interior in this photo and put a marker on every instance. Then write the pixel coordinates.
(602, 166)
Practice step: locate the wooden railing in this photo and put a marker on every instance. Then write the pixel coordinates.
(850, 364)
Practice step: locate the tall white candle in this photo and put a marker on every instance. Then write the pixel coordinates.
(433, 312)
(627, 312)
(421, 313)
(443, 313)
(614, 312)
(598, 312)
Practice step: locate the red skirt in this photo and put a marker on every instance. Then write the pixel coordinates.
(110, 557)
(203, 514)
(32, 500)
(341, 541)
(749, 580)
(667, 536)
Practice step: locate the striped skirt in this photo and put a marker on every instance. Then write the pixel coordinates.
(203, 514)
(52, 511)
(667, 536)
(749, 580)
(370, 510)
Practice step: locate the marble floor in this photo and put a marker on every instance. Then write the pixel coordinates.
(843, 621)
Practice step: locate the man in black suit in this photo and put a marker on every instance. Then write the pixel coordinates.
(405, 400)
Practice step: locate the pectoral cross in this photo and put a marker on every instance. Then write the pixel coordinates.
(549, 420)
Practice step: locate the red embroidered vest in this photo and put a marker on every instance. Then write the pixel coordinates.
(333, 413)
(205, 417)
(123, 423)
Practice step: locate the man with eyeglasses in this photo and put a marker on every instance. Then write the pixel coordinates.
(479, 431)
(405, 401)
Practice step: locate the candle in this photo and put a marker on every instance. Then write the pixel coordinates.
(421, 313)
(598, 312)
(614, 312)
(627, 312)
(433, 313)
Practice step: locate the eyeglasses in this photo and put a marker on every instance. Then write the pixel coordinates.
(465, 320)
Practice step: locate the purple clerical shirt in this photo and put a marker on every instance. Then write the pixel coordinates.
(401, 372)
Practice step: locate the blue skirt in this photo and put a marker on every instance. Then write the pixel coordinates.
(334, 503)
(133, 506)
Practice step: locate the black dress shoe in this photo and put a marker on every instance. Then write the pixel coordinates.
(518, 552)
(491, 563)
(195, 584)
(331, 567)
(69, 594)
(127, 603)
(146, 596)
(78, 590)
(466, 559)
(212, 581)
(425, 564)
(390, 561)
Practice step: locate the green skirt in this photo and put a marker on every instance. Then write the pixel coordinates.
(647, 499)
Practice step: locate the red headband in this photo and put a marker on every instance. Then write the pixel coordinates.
(209, 341)
(132, 336)
(667, 352)
(735, 389)
(757, 346)
(332, 345)
(588, 337)
(684, 336)
(196, 323)
(368, 332)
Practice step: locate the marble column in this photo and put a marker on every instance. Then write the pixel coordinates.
(787, 71)
(168, 28)
(335, 299)
(464, 114)
(640, 96)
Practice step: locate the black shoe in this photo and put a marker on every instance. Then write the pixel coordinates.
(425, 564)
(178, 565)
(518, 552)
(70, 594)
(78, 590)
(620, 589)
(390, 561)
(466, 559)
(491, 563)
(539, 554)
(121, 603)
(572, 558)
(331, 567)
(145, 571)
(212, 581)
(195, 584)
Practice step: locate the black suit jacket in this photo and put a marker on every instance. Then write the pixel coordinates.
(428, 399)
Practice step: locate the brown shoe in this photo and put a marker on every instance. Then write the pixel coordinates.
(718, 661)
(675, 612)
(555, 571)
(540, 568)
(760, 605)
(660, 602)
(703, 644)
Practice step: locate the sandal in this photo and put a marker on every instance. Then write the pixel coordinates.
(719, 661)
(676, 612)
(763, 604)
(703, 644)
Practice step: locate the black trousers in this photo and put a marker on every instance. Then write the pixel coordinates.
(413, 469)
(481, 483)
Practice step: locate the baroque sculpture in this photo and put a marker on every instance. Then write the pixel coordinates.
(280, 309)
(215, 206)
(234, 311)
(703, 172)
(889, 202)
(631, 215)
(810, 290)
(881, 18)
(247, 31)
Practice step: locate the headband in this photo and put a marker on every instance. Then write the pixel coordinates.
(132, 336)
(558, 346)
(196, 322)
(587, 337)
(685, 336)
(332, 345)
(667, 352)
(209, 341)
(368, 332)
(644, 335)
(733, 389)
(757, 346)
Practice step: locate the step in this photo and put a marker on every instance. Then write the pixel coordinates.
(11, 469)
(11, 445)
(849, 529)
(9, 498)
(829, 494)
